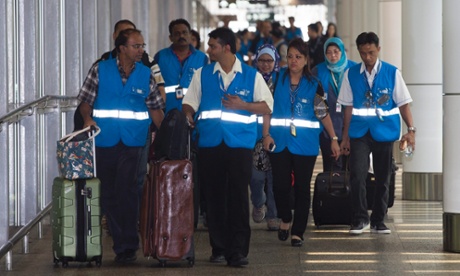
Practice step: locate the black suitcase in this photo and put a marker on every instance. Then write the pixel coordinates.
(332, 199)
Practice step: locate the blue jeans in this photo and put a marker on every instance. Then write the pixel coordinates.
(359, 165)
(260, 196)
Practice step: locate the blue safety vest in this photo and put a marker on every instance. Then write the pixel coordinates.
(237, 128)
(176, 74)
(324, 75)
(307, 126)
(120, 110)
(381, 119)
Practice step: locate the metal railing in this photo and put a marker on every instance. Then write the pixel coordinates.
(22, 234)
(40, 107)
(43, 105)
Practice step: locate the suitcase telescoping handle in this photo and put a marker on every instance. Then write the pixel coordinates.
(345, 189)
(95, 130)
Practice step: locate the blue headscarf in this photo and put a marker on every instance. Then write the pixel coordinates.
(340, 66)
(271, 50)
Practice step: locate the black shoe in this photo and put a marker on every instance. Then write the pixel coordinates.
(130, 256)
(238, 261)
(380, 228)
(120, 258)
(296, 242)
(283, 235)
(217, 258)
(359, 228)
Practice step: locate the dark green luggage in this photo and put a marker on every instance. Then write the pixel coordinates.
(76, 221)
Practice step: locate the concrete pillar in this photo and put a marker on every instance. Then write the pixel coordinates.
(451, 131)
(422, 71)
(353, 18)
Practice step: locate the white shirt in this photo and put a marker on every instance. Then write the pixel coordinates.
(401, 94)
(261, 91)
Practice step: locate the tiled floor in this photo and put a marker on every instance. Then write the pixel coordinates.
(413, 248)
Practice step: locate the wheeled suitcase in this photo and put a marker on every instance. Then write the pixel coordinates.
(167, 219)
(332, 199)
(75, 220)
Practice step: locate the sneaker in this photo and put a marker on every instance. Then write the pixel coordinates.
(258, 214)
(273, 224)
(217, 258)
(359, 228)
(380, 228)
(238, 261)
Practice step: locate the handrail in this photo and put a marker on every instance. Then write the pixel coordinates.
(23, 231)
(44, 105)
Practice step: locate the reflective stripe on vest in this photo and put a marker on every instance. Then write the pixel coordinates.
(120, 114)
(367, 112)
(172, 89)
(297, 123)
(227, 116)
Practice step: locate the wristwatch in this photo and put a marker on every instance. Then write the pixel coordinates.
(412, 128)
(335, 138)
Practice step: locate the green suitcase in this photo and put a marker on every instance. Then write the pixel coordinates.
(76, 221)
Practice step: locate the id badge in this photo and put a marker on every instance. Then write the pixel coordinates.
(293, 131)
(338, 107)
(179, 92)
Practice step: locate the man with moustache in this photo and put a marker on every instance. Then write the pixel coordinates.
(178, 63)
(120, 92)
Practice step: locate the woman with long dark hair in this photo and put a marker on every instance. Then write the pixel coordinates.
(293, 136)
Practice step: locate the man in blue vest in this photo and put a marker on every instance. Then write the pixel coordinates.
(148, 61)
(120, 92)
(374, 95)
(178, 63)
(227, 95)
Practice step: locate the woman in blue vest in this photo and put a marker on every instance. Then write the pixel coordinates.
(330, 73)
(294, 140)
(267, 63)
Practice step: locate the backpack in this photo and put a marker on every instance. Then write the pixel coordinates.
(171, 140)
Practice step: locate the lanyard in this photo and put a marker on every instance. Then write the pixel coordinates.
(221, 83)
(336, 85)
(293, 95)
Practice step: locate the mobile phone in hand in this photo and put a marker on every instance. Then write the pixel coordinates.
(272, 147)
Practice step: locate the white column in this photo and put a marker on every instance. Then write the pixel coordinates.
(451, 131)
(422, 71)
(353, 18)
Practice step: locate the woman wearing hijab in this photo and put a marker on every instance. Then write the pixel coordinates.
(295, 125)
(267, 63)
(330, 72)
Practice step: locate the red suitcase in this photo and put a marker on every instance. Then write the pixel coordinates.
(167, 219)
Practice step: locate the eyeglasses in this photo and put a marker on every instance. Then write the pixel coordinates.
(370, 102)
(178, 34)
(332, 53)
(266, 61)
(369, 99)
(138, 46)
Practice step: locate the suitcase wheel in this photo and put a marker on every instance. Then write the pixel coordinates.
(65, 264)
(56, 262)
(162, 263)
(99, 262)
(191, 262)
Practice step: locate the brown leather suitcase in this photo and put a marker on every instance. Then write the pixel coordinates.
(167, 219)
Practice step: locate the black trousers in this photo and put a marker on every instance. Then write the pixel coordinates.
(283, 164)
(117, 170)
(225, 174)
(360, 148)
(329, 162)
